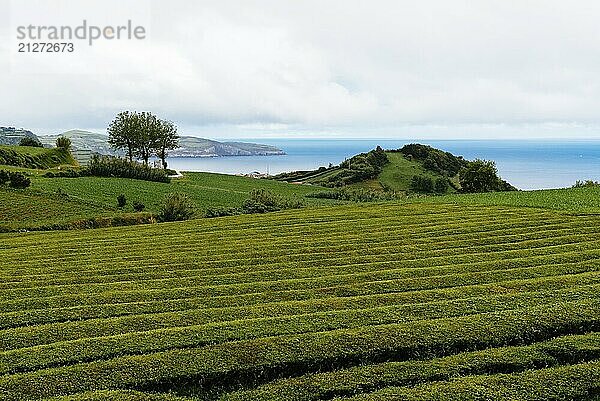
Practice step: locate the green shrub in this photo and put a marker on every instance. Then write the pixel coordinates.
(482, 176)
(421, 183)
(138, 206)
(4, 177)
(361, 167)
(355, 195)
(104, 166)
(263, 201)
(28, 141)
(67, 173)
(177, 207)
(221, 211)
(18, 180)
(121, 201)
(441, 185)
(435, 160)
(63, 143)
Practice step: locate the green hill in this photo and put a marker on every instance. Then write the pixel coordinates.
(361, 302)
(33, 157)
(414, 168)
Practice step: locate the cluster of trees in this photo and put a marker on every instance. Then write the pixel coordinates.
(361, 167)
(143, 135)
(482, 176)
(444, 163)
(29, 141)
(422, 183)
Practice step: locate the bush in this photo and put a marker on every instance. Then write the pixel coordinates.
(361, 167)
(482, 176)
(18, 180)
(444, 163)
(441, 185)
(115, 167)
(177, 207)
(138, 206)
(121, 201)
(262, 201)
(67, 173)
(421, 183)
(4, 177)
(355, 195)
(63, 143)
(221, 211)
(28, 141)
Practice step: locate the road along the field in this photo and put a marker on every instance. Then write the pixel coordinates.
(375, 302)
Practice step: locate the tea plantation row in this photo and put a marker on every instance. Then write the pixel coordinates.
(374, 302)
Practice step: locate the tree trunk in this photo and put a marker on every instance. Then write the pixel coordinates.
(163, 156)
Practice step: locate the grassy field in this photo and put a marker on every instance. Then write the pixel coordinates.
(57, 201)
(362, 302)
(206, 189)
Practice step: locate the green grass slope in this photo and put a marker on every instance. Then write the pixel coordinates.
(368, 301)
(57, 201)
(34, 158)
(397, 174)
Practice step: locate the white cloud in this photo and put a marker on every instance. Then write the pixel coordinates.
(378, 68)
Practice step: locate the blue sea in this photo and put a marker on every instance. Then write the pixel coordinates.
(527, 164)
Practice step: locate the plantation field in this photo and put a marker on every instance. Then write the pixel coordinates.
(361, 302)
(580, 200)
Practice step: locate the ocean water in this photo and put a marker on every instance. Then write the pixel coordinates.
(527, 164)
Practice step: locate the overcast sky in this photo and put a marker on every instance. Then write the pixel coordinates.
(386, 69)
